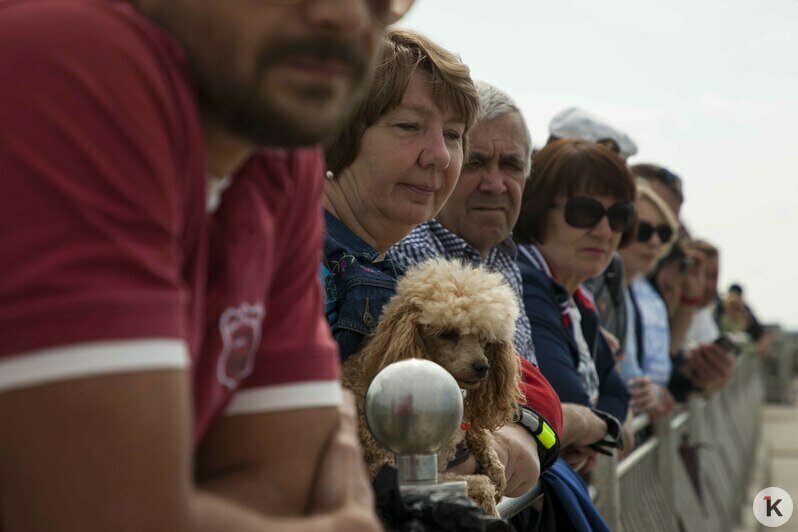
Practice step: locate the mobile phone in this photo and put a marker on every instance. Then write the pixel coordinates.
(728, 344)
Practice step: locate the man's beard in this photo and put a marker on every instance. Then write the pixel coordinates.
(245, 108)
(237, 103)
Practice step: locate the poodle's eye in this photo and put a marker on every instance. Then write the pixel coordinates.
(449, 335)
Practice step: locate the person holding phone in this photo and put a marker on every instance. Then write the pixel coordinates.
(680, 279)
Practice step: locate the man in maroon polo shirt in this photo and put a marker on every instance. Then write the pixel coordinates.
(150, 246)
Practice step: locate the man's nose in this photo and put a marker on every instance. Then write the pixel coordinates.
(492, 181)
(344, 17)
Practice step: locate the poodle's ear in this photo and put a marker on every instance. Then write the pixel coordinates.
(493, 404)
(397, 337)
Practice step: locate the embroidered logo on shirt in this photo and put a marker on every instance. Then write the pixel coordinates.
(241, 332)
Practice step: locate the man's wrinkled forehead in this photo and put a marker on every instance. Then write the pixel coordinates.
(500, 136)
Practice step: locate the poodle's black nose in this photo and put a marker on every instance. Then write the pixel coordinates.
(480, 367)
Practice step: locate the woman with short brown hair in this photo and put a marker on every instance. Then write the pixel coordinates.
(577, 208)
(391, 167)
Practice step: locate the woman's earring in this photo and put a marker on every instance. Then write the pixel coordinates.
(329, 174)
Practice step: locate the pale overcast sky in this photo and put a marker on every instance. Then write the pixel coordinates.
(708, 88)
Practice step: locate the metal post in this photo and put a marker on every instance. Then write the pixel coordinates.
(413, 408)
(605, 479)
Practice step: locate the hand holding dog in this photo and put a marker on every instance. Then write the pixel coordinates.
(518, 452)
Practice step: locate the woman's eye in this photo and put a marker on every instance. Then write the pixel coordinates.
(453, 135)
(405, 126)
(449, 335)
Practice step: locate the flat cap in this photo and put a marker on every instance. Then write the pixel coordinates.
(576, 123)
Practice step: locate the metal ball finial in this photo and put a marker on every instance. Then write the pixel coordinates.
(413, 407)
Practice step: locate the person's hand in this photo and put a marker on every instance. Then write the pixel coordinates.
(580, 426)
(466, 467)
(666, 404)
(342, 484)
(518, 452)
(612, 341)
(645, 395)
(711, 366)
(582, 459)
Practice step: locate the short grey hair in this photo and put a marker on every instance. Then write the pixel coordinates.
(495, 103)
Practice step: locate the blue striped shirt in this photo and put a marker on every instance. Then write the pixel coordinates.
(656, 332)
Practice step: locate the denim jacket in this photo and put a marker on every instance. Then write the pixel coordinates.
(355, 287)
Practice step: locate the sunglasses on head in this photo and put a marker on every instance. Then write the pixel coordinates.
(583, 212)
(645, 231)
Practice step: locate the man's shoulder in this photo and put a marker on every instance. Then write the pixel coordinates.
(82, 30)
(419, 245)
(98, 69)
(290, 179)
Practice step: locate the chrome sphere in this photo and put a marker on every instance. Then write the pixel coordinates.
(413, 407)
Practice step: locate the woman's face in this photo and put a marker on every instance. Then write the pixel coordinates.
(575, 254)
(640, 257)
(408, 163)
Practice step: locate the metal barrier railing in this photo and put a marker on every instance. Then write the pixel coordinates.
(778, 368)
(508, 506)
(692, 473)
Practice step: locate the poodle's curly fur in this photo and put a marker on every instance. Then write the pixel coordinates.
(463, 318)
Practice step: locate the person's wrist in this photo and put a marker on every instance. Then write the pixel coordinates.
(547, 442)
(613, 437)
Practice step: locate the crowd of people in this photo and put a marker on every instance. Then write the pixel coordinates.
(208, 204)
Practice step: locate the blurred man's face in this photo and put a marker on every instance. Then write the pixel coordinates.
(276, 73)
(486, 202)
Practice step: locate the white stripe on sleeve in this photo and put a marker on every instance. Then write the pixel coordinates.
(291, 396)
(88, 359)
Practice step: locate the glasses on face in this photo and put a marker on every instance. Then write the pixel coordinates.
(584, 213)
(384, 11)
(646, 230)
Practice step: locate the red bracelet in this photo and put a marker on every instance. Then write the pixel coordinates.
(691, 301)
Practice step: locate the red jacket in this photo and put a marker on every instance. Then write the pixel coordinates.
(540, 396)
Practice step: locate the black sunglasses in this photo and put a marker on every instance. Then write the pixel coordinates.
(585, 212)
(645, 231)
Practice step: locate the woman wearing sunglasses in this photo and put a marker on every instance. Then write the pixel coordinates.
(577, 209)
(646, 365)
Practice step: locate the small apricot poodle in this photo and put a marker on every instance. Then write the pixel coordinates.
(463, 318)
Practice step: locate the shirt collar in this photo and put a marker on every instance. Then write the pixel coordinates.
(454, 243)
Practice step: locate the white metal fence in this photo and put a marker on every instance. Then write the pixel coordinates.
(692, 473)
